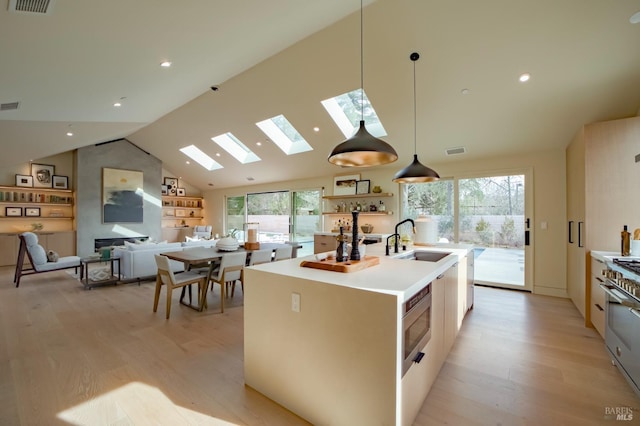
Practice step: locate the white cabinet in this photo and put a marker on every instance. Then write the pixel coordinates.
(596, 307)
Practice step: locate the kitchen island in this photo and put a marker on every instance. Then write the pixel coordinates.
(329, 346)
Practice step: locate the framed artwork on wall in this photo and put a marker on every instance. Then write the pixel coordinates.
(60, 182)
(164, 189)
(32, 211)
(362, 186)
(181, 192)
(42, 175)
(24, 180)
(122, 200)
(13, 211)
(345, 184)
(172, 185)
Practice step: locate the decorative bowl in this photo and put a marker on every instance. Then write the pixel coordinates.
(227, 244)
(367, 229)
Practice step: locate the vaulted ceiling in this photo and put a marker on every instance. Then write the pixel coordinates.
(68, 68)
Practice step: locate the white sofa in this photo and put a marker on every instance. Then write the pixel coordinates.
(137, 261)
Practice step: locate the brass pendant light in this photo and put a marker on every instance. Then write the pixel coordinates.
(362, 149)
(415, 172)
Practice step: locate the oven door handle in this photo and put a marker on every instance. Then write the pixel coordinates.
(635, 312)
(622, 300)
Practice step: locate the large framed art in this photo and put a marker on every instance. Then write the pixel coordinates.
(122, 192)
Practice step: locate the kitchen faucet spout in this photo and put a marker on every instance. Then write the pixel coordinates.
(395, 245)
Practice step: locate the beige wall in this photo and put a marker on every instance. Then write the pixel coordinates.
(548, 204)
(63, 163)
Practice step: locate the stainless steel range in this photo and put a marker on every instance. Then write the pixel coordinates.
(622, 310)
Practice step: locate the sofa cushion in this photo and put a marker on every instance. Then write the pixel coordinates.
(52, 256)
(38, 254)
(30, 239)
(152, 246)
(63, 262)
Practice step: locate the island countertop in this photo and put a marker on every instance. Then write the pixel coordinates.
(402, 277)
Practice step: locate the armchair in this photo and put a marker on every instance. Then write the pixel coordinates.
(202, 231)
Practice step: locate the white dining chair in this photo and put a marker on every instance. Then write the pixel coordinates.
(260, 256)
(283, 253)
(231, 269)
(167, 278)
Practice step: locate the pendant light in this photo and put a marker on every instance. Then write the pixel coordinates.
(362, 149)
(415, 172)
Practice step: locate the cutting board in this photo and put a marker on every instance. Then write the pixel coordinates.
(349, 266)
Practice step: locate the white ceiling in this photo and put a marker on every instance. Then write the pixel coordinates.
(285, 56)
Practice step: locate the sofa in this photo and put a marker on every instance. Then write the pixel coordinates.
(137, 261)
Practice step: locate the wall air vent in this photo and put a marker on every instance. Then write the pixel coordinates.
(41, 7)
(9, 106)
(455, 151)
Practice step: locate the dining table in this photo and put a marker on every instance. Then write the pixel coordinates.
(206, 255)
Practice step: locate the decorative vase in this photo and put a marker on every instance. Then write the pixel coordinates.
(376, 189)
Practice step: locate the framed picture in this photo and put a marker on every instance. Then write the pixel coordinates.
(345, 185)
(172, 185)
(13, 211)
(362, 186)
(181, 213)
(42, 175)
(122, 192)
(60, 182)
(32, 211)
(181, 192)
(165, 189)
(24, 180)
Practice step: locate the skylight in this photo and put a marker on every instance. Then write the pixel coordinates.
(283, 134)
(346, 111)
(200, 157)
(233, 146)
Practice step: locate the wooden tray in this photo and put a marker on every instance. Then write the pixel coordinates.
(348, 266)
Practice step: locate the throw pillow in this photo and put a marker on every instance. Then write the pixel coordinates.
(52, 256)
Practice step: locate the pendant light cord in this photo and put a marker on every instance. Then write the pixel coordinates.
(415, 135)
(361, 62)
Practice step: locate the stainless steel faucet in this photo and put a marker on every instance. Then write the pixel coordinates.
(395, 245)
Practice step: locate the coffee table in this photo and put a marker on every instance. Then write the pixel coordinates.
(84, 271)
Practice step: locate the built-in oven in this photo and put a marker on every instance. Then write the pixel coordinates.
(622, 331)
(416, 324)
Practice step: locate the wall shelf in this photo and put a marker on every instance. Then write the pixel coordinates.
(368, 195)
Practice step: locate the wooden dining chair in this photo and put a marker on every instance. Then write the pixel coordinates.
(231, 269)
(166, 276)
(260, 256)
(283, 253)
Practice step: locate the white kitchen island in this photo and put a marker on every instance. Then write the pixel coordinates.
(338, 358)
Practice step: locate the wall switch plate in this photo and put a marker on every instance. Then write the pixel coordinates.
(295, 302)
(543, 225)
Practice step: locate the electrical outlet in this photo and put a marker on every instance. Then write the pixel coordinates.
(295, 302)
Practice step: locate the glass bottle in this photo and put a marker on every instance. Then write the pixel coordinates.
(625, 242)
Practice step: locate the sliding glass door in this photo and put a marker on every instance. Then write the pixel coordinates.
(282, 216)
(491, 212)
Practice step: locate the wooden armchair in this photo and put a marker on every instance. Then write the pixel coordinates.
(38, 259)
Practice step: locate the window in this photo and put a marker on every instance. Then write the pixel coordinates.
(346, 111)
(284, 135)
(237, 149)
(200, 157)
(435, 200)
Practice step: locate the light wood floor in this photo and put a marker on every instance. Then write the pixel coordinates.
(98, 357)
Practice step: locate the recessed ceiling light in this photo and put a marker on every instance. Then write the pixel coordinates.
(465, 91)
(117, 104)
(635, 18)
(69, 133)
(249, 178)
(217, 154)
(259, 143)
(524, 77)
(187, 162)
(316, 129)
(165, 64)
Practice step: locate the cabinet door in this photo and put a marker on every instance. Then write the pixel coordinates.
(450, 307)
(322, 243)
(9, 244)
(64, 242)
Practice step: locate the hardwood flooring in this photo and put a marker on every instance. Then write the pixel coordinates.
(102, 357)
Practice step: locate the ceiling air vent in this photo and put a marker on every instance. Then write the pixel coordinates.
(9, 106)
(455, 151)
(42, 7)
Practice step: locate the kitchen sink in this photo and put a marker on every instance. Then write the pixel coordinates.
(425, 256)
